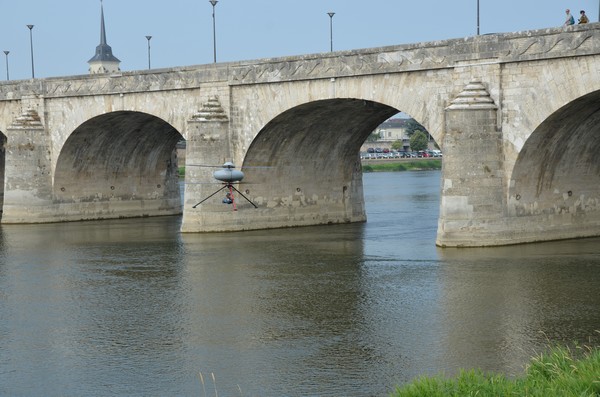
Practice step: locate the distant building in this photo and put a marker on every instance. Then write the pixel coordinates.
(393, 130)
(104, 61)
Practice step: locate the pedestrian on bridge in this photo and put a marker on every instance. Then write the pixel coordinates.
(570, 20)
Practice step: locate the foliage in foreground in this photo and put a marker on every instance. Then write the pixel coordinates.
(403, 166)
(560, 372)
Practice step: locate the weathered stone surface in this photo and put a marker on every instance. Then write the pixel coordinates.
(516, 115)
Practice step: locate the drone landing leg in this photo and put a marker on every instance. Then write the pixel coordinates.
(209, 196)
(247, 199)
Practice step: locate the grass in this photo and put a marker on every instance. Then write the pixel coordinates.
(560, 372)
(214, 384)
(403, 166)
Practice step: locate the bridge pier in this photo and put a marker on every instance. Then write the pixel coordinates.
(472, 197)
(207, 146)
(28, 180)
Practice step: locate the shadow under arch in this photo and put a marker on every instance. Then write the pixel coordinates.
(312, 156)
(119, 164)
(315, 131)
(2, 168)
(557, 172)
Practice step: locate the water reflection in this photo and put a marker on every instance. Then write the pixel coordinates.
(133, 307)
(520, 298)
(303, 286)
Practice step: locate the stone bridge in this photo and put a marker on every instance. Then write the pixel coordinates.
(517, 116)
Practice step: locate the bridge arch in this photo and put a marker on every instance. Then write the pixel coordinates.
(256, 108)
(119, 164)
(312, 153)
(556, 176)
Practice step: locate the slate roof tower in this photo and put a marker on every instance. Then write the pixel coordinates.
(103, 61)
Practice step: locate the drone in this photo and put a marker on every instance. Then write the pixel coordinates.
(228, 175)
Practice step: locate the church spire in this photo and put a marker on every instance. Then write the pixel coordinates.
(103, 61)
(102, 28)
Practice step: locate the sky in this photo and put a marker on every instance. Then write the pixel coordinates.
(66, 32)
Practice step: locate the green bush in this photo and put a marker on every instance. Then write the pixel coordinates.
(367, 168)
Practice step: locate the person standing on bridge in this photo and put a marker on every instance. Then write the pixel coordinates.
(584, 18)
(570, 20)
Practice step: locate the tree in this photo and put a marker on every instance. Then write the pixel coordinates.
(418, 141)
(413, 126)
(374, 137)
(397, 145)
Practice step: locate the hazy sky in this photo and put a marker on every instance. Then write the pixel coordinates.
(66, 32)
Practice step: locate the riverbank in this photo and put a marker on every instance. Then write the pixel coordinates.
(406, 165)
(387, 166)
(559, 372)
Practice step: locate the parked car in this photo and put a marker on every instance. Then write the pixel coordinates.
(370, 150)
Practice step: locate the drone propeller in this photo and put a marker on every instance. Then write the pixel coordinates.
(228, 165)
(218, 183)
(206, 165)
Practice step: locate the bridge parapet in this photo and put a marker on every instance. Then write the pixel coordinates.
(184, 78)
(494, 48)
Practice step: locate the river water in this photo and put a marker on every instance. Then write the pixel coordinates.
(134, 308)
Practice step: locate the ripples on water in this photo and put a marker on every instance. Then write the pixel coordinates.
(133, 307)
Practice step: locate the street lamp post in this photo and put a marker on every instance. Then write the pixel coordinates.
(148, 38)
(477, 17)
(31, 46)
(6, 54)
(214, 3)
(331, 14)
